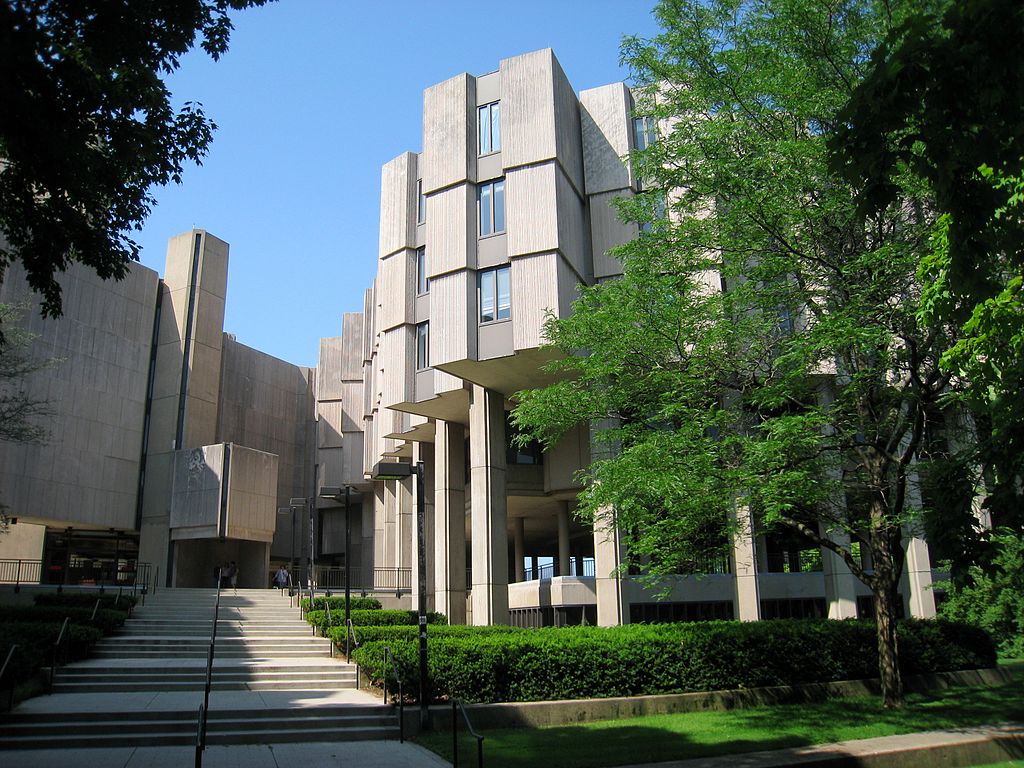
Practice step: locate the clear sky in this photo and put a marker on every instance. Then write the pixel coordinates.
(312, 98)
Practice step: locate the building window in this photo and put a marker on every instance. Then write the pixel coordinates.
(658, 211)
(422, 281)
(644, 132)
(422, 346)
(491, 207)
(488, 121)
(494, 289)
(421, 203)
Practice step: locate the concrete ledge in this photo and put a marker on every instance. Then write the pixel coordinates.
(533, 714)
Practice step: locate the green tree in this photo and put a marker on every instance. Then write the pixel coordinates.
(87, 126)
(943, 101)
(762, 350)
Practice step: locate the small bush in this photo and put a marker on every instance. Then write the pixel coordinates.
(107, 620)
(338, 603)
(372, 618)
(108, 599)
(35, 642)
(585, 662)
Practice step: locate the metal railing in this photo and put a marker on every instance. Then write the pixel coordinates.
(350, 643)
(204, 708)
(31, 573)
(456, 707)
(389, 657)
(60, 644)
(332, 577)
(3, 673)
(550, 570)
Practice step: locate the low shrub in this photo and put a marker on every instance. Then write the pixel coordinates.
(410, 632)
(107, 620)
(364, 618)
(585, 662)
(35, 642)
(109, 599)
(338, 603)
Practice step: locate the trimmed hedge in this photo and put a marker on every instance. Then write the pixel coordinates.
(371, 618)
(633, 660)
(410, 632)
(338, 603)
(35, 644)
(83, 600)
(107, 620)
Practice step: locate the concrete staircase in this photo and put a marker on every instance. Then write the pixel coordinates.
(272, 681)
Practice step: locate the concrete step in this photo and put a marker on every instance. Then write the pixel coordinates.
(98, 729)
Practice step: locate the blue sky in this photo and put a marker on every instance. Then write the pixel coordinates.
(312, 98)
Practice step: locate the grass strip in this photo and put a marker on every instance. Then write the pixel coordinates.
(710, 733)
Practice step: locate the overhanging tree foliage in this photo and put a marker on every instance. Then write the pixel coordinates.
(87, 128)
(762, 350)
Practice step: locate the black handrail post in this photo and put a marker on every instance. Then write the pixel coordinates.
(200, 740)
(455, 735)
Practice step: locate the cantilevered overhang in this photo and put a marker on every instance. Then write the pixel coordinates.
(509, 374)
(448, 406)
(421, 433)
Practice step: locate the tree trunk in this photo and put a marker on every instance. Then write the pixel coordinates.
(888, 653)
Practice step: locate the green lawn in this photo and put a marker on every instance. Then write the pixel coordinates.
(704, 734)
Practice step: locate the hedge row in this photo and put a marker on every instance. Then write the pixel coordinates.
(82, 600)
(410, 632)
(35, 640)
(338, 603)
(633, 660)
(370, 618)
(107, 620)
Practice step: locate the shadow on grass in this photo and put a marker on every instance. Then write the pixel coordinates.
(598, 744)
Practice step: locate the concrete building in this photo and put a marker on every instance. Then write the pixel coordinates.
(483, 235)
(187, 447)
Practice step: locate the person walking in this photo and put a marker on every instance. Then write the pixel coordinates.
(281, 578)
(233, 575)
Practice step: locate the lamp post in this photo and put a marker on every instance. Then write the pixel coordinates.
(332, 492)
(297, 503)
(399, 471)
(291, 561)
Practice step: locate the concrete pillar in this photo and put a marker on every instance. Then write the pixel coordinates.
(748, 600)
(916, 582)
(489, 507)
(423, 452)
(450, 521)
(380, 539)
(563, 540)
(840, 583)
(367, 560)
(519, 538)
(609, 552)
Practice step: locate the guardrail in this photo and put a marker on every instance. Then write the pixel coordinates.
(332, 577)
(60, 644)
(3, 672)
(23, 573)
(204, 708)
(456, 707)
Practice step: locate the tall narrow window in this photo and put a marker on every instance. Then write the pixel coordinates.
(644, 132)
(421, 203)
(491, 207)
(488, 119)
(422, 346)
(422, 281)
(494, 289)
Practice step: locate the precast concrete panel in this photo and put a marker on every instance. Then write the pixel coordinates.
(541, 284)
(451, 230)
(398, 356)
(567, 127)
(329, 368)
(252, 494)
(449, 130)
(605, 120)
(607, 231)
(531, 208)
(369, 305)
(329, 427)
(528, 109)
(352, 345)
(452, 335)
(398, 204)
(396, 283)
(196, 492)
(352, 417)
(573, 232)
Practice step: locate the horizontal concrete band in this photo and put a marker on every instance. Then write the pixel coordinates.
(532, 714)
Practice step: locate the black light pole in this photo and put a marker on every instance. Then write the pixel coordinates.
(330, 492)
(295, 503)
(400, 471)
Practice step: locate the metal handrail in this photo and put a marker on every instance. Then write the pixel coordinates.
(204, 708)
(458, 705)
(3, 671)
(327, 607)
(388, 656)
(95, 610)
(56, 650)
(350, 641)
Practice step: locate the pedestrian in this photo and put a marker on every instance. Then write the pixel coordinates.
(281, 578)
(233, 575)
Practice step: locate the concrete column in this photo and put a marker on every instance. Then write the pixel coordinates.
(519, 537)
(840, 583)
(563, 540)
(609, 552)
(748, 599)
(916, 583)
(423, 452)
(489, 507)
(380, 539)
(367, 540)
(450, 521)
